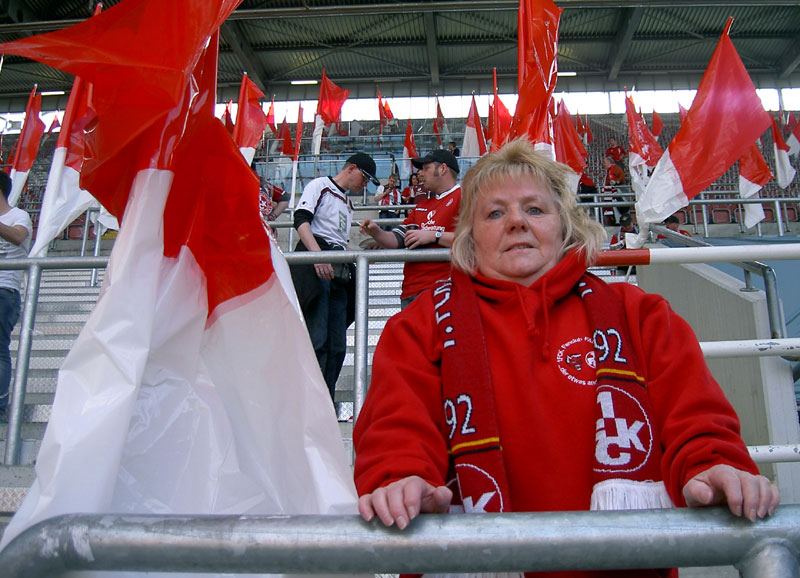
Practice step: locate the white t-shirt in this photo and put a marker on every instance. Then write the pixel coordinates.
(332, 210)
(8, 250)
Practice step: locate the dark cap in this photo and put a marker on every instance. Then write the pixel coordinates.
(364, 162)
(437, 156)
(625, 219)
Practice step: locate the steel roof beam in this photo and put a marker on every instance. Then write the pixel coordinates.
(231, 32)
(433, 49)
(622, 45)
(790, 60)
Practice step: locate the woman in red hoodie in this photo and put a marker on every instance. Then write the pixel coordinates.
(525, 383)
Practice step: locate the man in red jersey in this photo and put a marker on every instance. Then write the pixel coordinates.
(430, 225)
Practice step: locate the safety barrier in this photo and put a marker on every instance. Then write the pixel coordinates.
(363, 260)
(542, 541)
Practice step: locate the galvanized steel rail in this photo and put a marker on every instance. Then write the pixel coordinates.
(541, 541)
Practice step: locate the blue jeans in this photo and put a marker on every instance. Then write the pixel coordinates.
(327, 326)
(9, 314)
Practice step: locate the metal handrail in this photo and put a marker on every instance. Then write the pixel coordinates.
(513, 542)
(777, 323)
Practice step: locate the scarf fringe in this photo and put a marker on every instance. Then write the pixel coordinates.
(621, 494)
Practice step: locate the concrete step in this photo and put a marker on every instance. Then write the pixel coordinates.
(14, 484)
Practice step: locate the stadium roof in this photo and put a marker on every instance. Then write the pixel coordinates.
(418, 47)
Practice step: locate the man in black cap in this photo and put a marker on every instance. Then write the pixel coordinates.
(325, 290)
(431, 225)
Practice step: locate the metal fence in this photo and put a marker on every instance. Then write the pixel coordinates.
(510, 542)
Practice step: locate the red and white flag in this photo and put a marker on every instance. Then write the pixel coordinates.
(537, 48)
(754, 173)
(193, 387)
(644, 150)
(250, 119)
(793, 140)
(474, 141)
(726, 117)
(409, 151)
(784, 171)
(298, 134)
(271, 117)
(658, 125)
(27, 147)
(567, 142)
(589, 136)
(439, 126)
(499, 119)
(329, 109)
(64, 200)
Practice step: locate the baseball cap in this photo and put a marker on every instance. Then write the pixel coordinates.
(437, 156)
(364, 162)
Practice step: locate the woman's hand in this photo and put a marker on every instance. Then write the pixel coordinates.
(746, 494)
(403, 500)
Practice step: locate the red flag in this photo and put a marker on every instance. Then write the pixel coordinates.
(409, 149)
(271, 117)
(499, 119)
(54, 124)
(387, 111)
(537, 48)
(298, 134)
(725, 119)
(579, 126)
(438, 123)
(754, 173)
(644, 148)
(784, 171)
(682, 112)
(331, 99)
(285, 136)
(227, 118)
(658, 126)
(567, 143)
(198, 266)
(474, 142)
(381, 113)
(27, 146)
(250, 119)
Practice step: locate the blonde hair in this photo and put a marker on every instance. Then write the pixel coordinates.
(516, 160)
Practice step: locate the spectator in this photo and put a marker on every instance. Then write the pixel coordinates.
(15, 238)
(326, 291)
(414, 192)
(525, 384)
(386, 196)
(625, 226)
(429, 226)
(614, 176)
(451, 146)
(616, 152)
(587, 189)
(673, 224)
(273, 201)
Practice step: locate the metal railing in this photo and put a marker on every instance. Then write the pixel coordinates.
(513, 542)
(361, 348)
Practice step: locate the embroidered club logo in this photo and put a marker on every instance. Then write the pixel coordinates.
(431, 214)
(576, 361)
(624, 435)
(485, 493)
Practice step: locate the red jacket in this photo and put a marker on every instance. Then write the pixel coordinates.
(543, 372)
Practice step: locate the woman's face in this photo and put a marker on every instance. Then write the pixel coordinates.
(517, 231)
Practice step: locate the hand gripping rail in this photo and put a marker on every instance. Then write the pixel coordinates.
(433, 543)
